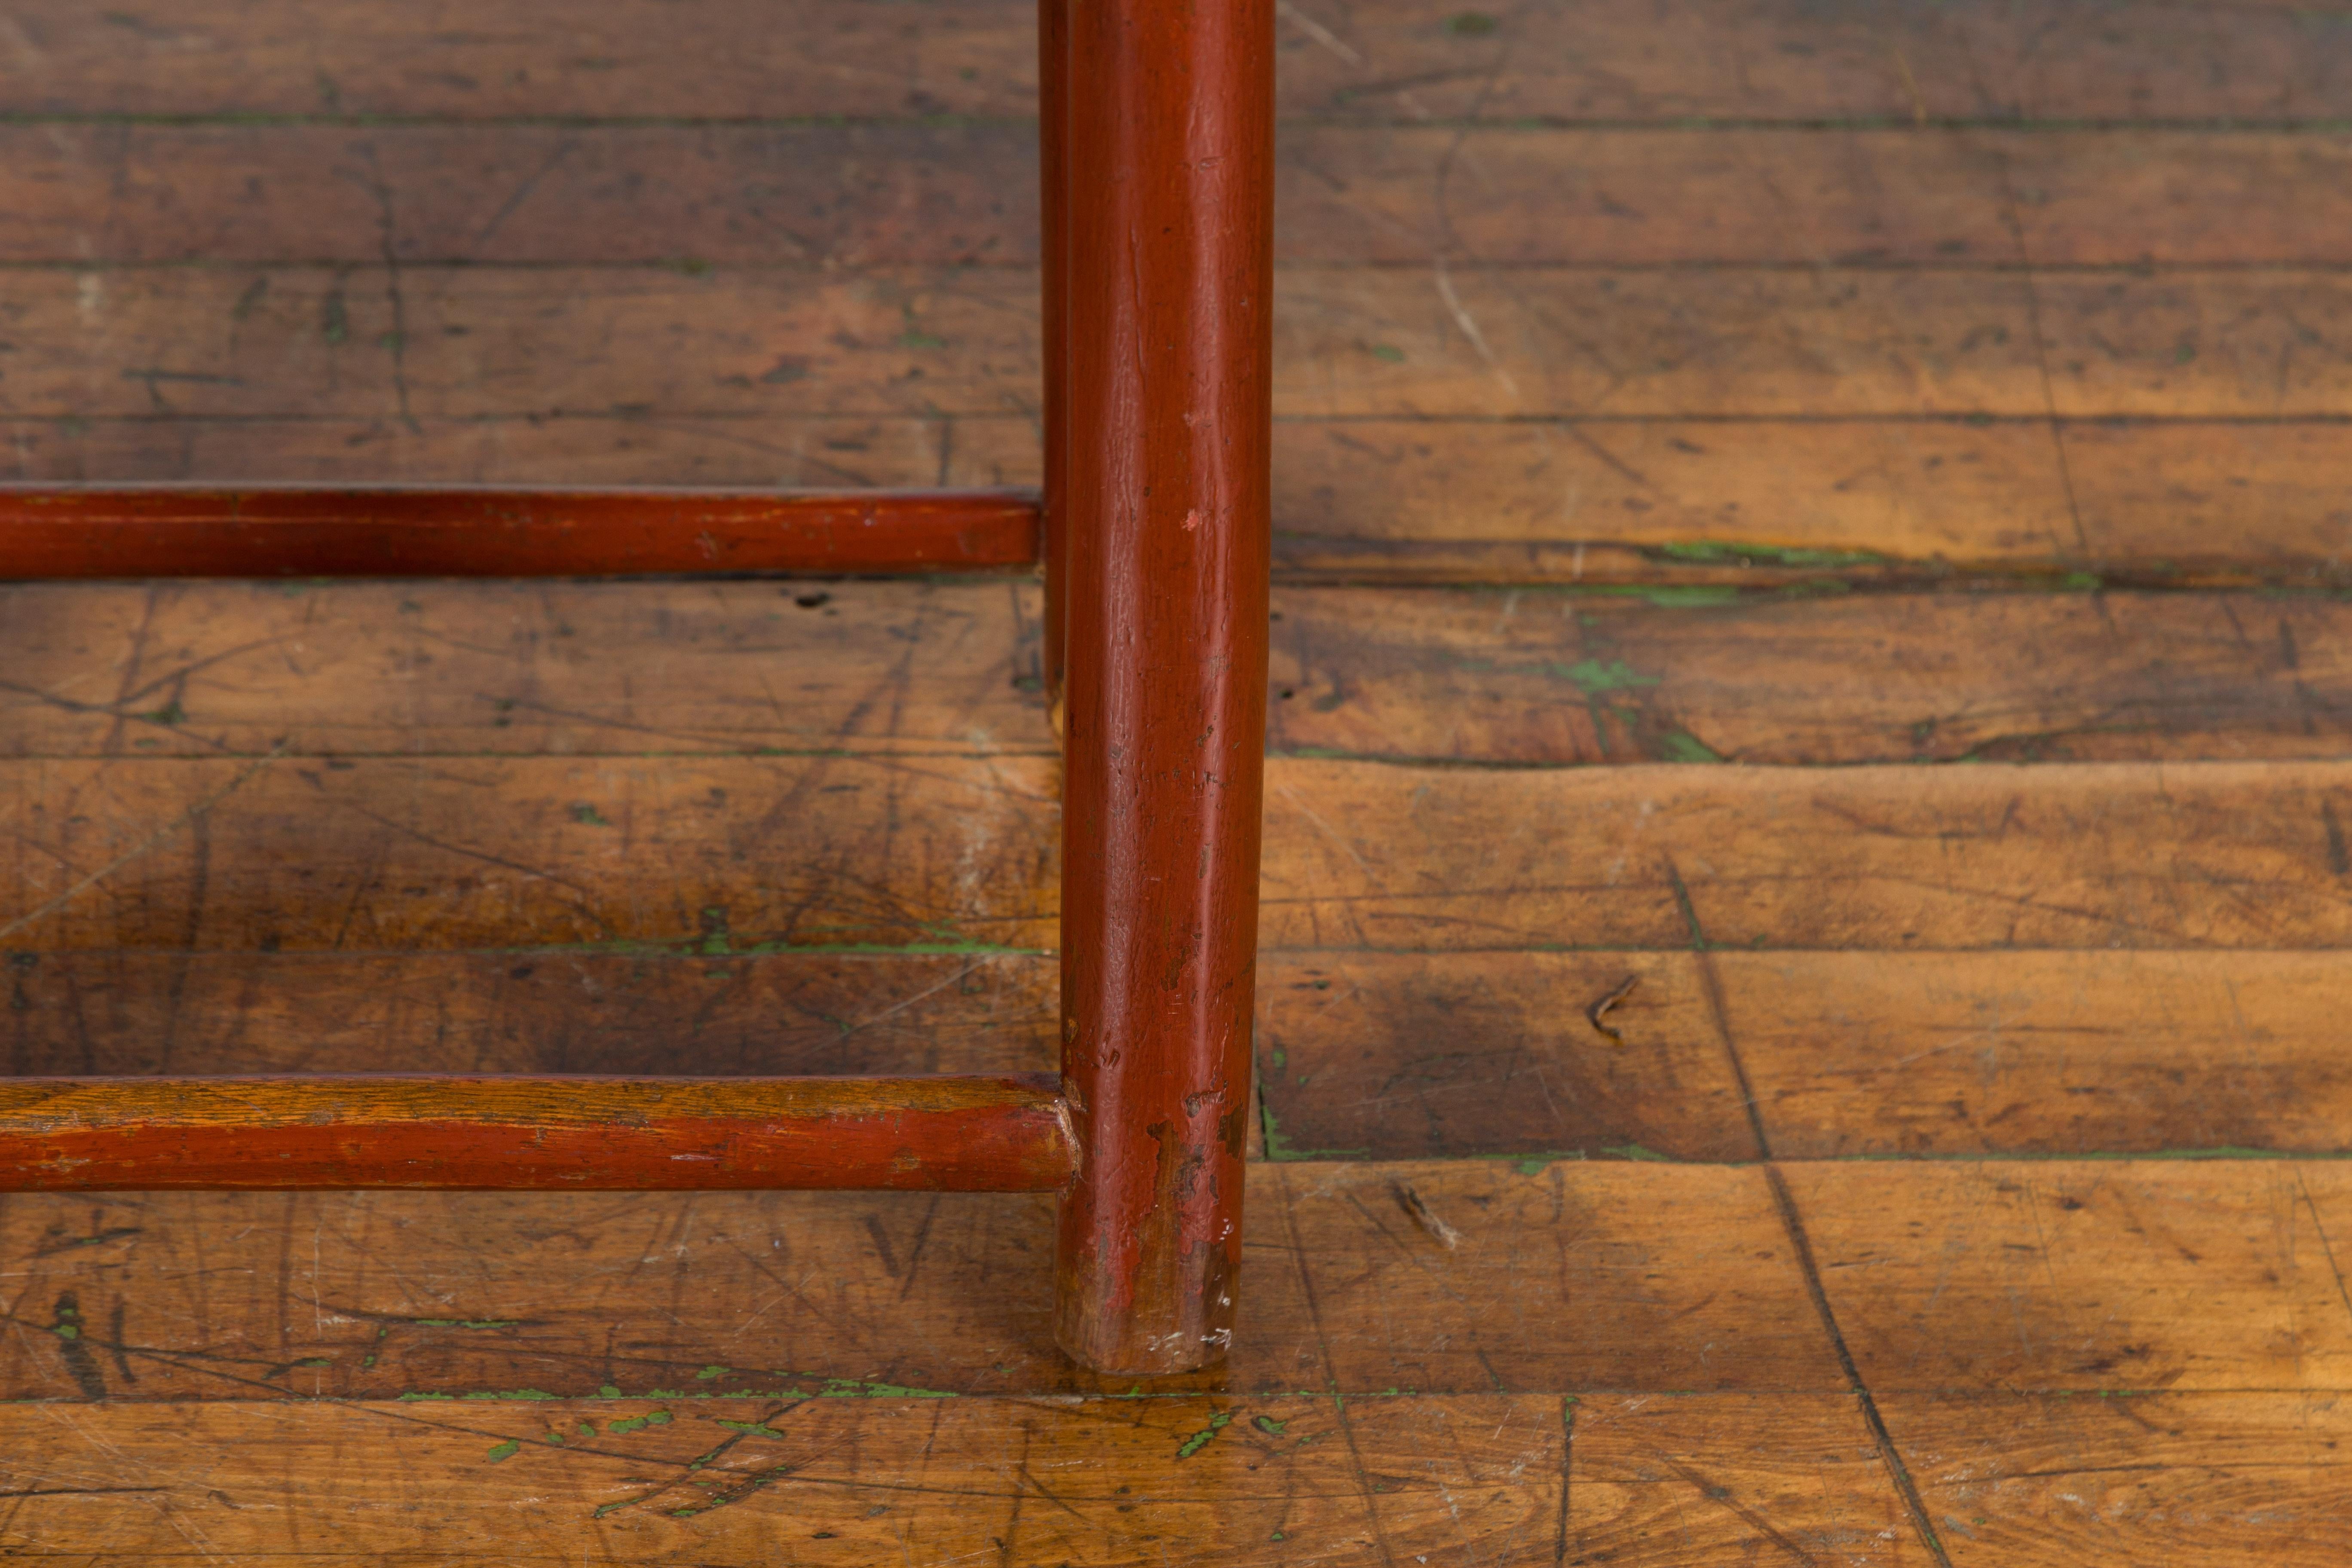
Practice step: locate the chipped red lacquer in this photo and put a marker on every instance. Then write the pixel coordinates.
(1157, 147)
(276, 533)
(1169, 273)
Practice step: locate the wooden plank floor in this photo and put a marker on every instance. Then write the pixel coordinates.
(1807, 853)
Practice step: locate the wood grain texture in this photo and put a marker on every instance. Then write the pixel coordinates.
(1390, 1055)
(1377, 60)
(822, 1480)
(1866, 859)
(847, 853)
(2038, 1052)
(1434, 1276)
(1726, 1479)
(2237, 1479)
(441, 343)
(1531, 677)
(1600, 346)
(100, 1012)
(526, 669)
(1497, 1054)
(1558, 1278)
(1505, 676)
(2097, 1275)
(557, 666)
(547, 1135)
(1705, 1479)
(947, 853)
(883, 194)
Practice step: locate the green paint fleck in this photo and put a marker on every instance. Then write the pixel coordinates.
(505, 1450)
(1386, 353)
(1635, 1152)
(1592, 676)
(1681, 746)
(582, 812)
(554, 1437)
(2079, 583)
(708, 1372)
(1269, 1426)
(1687, 595)
(464, 1322)
(317, 1361)
(608, 1392)
(1470, 24)
(751, 1429)
(68, 1331)
(407, 1397)
(658, 1418)
(915, 339)
(1200, 1440)
(604, 1508)
(692, 265)
(170, 713)
(587, 1428)
(1714, 552)
(850, 1388)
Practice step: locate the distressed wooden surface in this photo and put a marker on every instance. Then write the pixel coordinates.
(1524, 1277)
(2234, 1478)
(847, 1480)
(1387, 59)
(757, 853)
(1854, 343)
(1487, 675)
(1729, 294)
(1698, 1477)
(867, 193)
(1561, 1276)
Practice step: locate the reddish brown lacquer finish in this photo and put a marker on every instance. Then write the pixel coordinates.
(1170, 146)
(160, 532)
(955, 1134)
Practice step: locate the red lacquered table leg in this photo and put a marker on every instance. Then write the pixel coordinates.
(1169, 277)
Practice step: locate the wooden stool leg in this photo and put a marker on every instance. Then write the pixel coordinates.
(1168, 145)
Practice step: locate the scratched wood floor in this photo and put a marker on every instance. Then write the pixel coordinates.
(1704, 1122)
